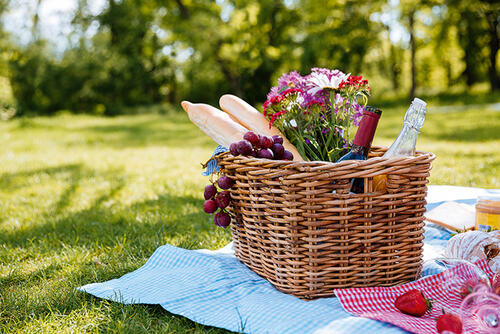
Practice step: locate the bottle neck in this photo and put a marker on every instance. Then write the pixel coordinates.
(366, 130)
(405, 143)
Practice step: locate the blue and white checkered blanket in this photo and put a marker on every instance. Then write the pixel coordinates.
(213, 288)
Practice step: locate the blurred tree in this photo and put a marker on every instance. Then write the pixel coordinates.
(337, 33)
(491, 12)
(244, 40)
(137, 76)
(409, 10)
(4, 43)
(147, 51)
(478, 35)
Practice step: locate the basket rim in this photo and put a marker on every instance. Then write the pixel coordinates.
(418, 158)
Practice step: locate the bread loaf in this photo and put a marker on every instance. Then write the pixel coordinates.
(253, 120)
(215, 123)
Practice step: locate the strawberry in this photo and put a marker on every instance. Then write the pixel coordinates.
(413, 303)
(449, 323)
(469, 286)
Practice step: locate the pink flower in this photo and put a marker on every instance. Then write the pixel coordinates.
(290, 80)
(275, 91)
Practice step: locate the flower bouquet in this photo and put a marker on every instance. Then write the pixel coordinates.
(317, 112)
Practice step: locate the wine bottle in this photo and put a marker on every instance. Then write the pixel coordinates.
(362, 142)
(405, 143)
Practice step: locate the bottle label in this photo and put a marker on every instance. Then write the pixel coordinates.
(366, 130)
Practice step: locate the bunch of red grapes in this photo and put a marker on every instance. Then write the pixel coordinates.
(254, 145)
(218, 200)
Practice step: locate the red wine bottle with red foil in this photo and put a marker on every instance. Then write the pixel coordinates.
(362, 143)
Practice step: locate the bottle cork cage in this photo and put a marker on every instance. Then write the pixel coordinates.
(296, 224)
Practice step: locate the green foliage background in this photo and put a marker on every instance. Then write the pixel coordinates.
(153, 51)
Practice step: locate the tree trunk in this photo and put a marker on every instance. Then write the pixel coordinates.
(494, 42)
(182, 8)
(469, 30)
(35, 29)
(413, 50)
(394, 68)
(112, 26)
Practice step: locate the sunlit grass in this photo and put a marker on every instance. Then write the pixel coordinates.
(86, 199)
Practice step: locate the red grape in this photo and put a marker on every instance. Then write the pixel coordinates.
(287, 155)
(266, 142)
(265, 153)
(225, 182)
(277, 139)
(252, 137)
(210, 191)
(209, 206)
(222, 219)
(278, 151)
(244, 147)
(233, 148)
(222, 199)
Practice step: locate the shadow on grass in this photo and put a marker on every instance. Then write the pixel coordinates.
(17, 180)
(104, 225)
(121, 240)
(176, 132)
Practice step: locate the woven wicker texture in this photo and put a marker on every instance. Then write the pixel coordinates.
(296, 225)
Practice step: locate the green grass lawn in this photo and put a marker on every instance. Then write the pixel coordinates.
(86, 199)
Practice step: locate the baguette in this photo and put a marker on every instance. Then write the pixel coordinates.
(215, 123)
(253, 120)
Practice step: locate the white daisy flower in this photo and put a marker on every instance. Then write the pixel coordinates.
(320, 81)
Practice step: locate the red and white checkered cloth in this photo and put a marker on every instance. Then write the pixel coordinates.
(378, 303)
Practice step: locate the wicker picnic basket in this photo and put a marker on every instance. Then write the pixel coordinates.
(297, 225)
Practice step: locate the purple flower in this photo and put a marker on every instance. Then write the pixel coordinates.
(358, 113)
(307, 141)
(340, 131)
(320, 97)
(357, 109)
(290, 80)
(275, 91)
(325, 130)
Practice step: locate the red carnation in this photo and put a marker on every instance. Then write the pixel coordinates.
(290, 91)
(275, 116)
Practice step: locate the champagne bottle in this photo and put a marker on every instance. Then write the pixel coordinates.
(362, 142)
(405, 143)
